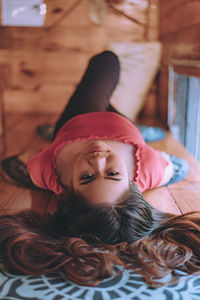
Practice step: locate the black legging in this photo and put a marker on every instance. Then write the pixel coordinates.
(95, 88)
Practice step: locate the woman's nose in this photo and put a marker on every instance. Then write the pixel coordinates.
(99, 162)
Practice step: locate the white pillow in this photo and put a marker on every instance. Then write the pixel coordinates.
(139, 62)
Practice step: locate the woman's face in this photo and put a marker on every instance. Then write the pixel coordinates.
(99, 173)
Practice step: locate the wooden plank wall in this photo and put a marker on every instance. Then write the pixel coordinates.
(43, 65)
(180, 35)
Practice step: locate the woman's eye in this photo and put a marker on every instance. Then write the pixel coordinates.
(86, 176)
(113, 173)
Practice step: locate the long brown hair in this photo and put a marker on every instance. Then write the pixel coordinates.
(87, 242)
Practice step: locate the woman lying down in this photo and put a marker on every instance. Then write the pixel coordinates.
(98, 164)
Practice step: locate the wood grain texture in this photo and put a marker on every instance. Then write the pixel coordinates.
(182, 15)
(153, 19)
(162, 199)
(45, 64)
(186, 193)
(180, 35)
(21, 138)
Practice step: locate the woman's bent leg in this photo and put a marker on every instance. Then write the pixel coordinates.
(92, 94)
(95, 88)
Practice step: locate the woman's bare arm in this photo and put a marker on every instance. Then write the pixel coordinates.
(169, 171)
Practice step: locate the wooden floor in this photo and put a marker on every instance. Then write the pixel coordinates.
(21, 137)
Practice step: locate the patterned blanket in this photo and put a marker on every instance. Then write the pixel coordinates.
(125, 286)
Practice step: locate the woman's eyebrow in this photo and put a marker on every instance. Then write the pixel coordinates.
(93, 178)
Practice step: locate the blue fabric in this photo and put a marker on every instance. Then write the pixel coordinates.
(126, 286)
(150, 133)
(181, 169)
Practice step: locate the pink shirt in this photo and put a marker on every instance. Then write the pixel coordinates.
(149, 164)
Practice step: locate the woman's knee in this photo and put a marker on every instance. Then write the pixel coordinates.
(106, 59)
